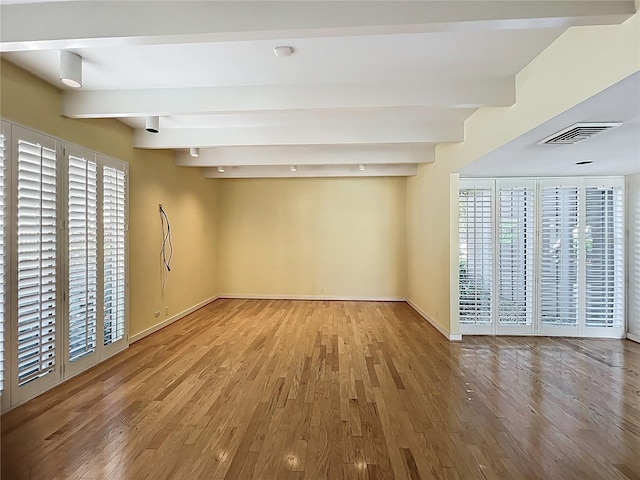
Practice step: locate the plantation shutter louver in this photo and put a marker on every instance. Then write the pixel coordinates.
(36, 261)
(516, 243)
(559, 236)
(604, 244)
(475, 255)
(3, 216)
(83, 257)
(114, 221)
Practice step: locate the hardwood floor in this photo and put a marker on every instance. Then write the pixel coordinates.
(335, 390)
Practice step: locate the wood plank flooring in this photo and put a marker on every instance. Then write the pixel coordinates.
(248, 389)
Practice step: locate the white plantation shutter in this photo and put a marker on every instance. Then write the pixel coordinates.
(36, 260)
(633, 252)
(114, 221)
(516, 244)
(475, 231)
(83, 257)
(3, 226)
(604, 244)
(559, 237)
(65, 295)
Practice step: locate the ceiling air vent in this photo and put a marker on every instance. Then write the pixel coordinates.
(578, 132)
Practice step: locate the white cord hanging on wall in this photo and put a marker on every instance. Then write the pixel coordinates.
(166, 241)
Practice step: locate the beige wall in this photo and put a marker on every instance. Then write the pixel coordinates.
(189, 200)
(335, 237)
(580, 63)
(428, 241)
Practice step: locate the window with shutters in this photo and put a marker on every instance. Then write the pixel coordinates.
(548, 259)
(475, 255)
(516, 245)
(63, 231)
(604, 245)
(83, 256)
(3, 253)
(559, 235)
(36, 261)
(114, 188)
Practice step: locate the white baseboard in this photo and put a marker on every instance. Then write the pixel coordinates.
(311, 297)
(170, 320)
(633, 337)
(422, 313)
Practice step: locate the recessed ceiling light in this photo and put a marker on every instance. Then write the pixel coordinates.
(584, 162)
(283, 51)
(221, 169)
(361, 167)
(194, 152)
(293, 168)
(70, 69)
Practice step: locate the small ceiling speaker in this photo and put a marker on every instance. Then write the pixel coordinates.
(70, 69)
(152, 124)
(194, 152)
(283, 51)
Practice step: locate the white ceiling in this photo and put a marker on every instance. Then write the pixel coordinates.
(363, 75)
(352, 59)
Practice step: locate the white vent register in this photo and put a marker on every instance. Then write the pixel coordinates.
(578, 132)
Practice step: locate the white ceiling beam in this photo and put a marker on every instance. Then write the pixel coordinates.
(308, 155)
(444, 93)
(357, 134)
(266, 171)
(63, 25)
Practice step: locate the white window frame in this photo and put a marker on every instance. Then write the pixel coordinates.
(104, 161)
(546, 329)
(503, 328)
(101, 352)
(71, 368)
(606, 332)
(14, 395)
(538, 328)
(5, 337)
(489, 327)
(20, 394)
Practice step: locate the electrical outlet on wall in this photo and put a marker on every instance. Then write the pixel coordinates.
(166, 311)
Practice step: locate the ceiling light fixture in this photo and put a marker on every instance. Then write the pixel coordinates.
(283, 51)
(293, 168)
(194, 152)
(220, 169)
(152, 124)
(361, 167)
(70, 69)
